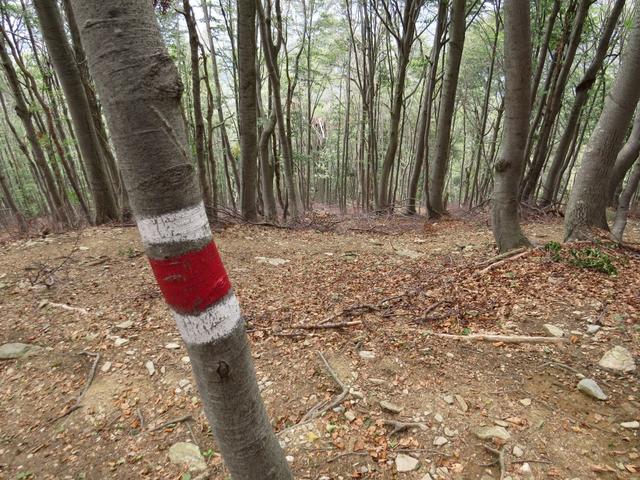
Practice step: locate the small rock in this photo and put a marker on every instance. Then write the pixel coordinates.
(631, 425)
(377, 381)
(405, 252)
(184, 382)
(366, 355)
(591, 388)
(391, 407)
(517, 451)
(449, 432)
(439, 441)
(526, 402)
(619, 359)
(427, 477)
(126, 324)
(10, 351)
(461, 403)
(438, 418)
(406, 463)
(289, 458)
(276, 262)
(106, 367)
(553, 330)
(350, 415)
(119, 341)
(185, 359)
(448, 399)
(172, 345)
(593, 328)
(525, 469)
(487, 433)
(501, 423)
(150, 367)
(184, 453)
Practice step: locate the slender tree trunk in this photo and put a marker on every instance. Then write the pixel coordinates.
(505, 206)
(140, 87)
(106, 208)
(581, 97)
(622, 212)
(588, 200)
(424, 122)
(544, 47)
(554, 103)
(247, 114)
(25, 115)
(625, 159)
(11, 203)
(197, 103)
(440, 162)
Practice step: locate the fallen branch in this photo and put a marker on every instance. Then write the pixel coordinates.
(501, 262)
(502, 338)
(500, 454)
(92, 374)
(64, 306)
(402, 426)
(185, 418)
(322, 407)
(500, 257)
(322, 326)
(346, 454)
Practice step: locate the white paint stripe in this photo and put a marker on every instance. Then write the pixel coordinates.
(183, 225)
(218, 321)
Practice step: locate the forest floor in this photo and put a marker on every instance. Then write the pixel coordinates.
(398, 282)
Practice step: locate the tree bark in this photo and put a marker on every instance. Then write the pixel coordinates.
(581, 97)
(622, 212)
(626, 156)
(247, 114)
(140, 89)
(440, 162)
(106, 208)
(517, 106)
(588, 200)
(424, 122)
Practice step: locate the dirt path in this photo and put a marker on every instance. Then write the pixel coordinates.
(402, 282)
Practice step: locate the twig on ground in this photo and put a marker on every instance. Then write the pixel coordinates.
(327, 325)
(502, 338)
(174, 421)
(501, 262)
(92, 373)
(526, 460)
(322, 407)
(140, 418)
(64, 306)
(500, 454)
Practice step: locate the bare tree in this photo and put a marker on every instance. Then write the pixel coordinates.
(517, 108)
(141, 91)
(588, 200)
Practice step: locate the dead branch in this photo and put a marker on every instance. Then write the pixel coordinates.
(322, 326)
(501, 262)
(502, 256)
(46, 274)
(346, 454)
(92, 373)
(500, 454)
(64, 306)
(184, 418)
(322, 407)
(502, 338)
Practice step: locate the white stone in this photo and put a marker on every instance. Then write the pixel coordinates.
(619, 359)
(631, 425)
(518, 452)
(438, 418)
(106, 367)
(406, 463)
(126, 324)
(150, 367)
(487, 433)
(592, 389)
(366, 355)
(184, 453)
(119, 341)
(439, 441)
(593, 328)
(553, 330)
(526, 402)
(172, 345)
(276, 262)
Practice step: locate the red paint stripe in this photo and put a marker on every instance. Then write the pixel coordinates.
(193, 281)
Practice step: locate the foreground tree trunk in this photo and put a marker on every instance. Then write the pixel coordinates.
(588, 200)
(140, 88)
(440, 162)
(517, 110)
(104, 201)
(247, 114)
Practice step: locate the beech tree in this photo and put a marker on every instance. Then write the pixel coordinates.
(588, 200)
(517, 108)
(139, 86)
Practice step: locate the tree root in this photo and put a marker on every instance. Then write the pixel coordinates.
(322, 407)
(502, 338)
